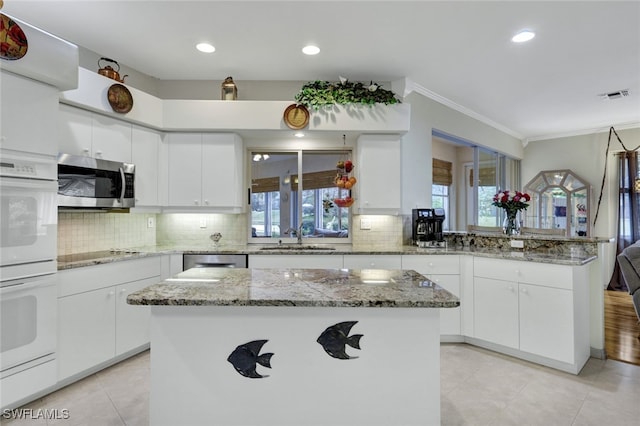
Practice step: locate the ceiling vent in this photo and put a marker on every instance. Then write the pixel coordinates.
(614, 95)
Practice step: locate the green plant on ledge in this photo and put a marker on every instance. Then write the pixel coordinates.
(318, 94)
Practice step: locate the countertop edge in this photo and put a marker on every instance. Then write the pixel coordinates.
(405, 250)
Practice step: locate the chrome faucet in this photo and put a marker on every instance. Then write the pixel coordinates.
(297, 232)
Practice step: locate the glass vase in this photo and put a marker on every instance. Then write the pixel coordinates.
(510, 226)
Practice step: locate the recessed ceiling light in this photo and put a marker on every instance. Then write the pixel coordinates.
(205, 47)
(311, 50)
(522, 36)
(299, 135)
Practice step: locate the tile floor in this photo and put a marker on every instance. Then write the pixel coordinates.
(479, 387)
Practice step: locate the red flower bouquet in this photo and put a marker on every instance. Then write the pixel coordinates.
(511, 204)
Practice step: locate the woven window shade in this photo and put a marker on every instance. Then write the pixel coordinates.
(315, 180)
(487, 177)
(441, 174)
(269, 184)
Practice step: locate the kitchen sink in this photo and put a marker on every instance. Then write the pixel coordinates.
(295, 248)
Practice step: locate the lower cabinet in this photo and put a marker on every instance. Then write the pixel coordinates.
(496, 311)
(445, 272)
(95, 323)
(540, 310)
(87, 332)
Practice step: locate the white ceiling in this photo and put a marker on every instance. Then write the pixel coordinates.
(459, 52)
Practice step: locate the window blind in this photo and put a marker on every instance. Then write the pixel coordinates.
(441, 174)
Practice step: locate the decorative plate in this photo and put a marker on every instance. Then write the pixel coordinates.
(120, 98)
(296, 116)
(13, 41)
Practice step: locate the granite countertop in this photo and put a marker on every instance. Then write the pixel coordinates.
(99, 257)
(79, 260)
(374, 288)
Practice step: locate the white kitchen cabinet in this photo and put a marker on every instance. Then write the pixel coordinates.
(132, 321)
(449, 317)
(542, 310)
(378, 261)
(205, 171)
(185, 169)
(86, 330)
(496, 311)
(546, 331)
(145, 150)
(444, 270)
(222, 170)
(172, 264)
(95, 325)
(111, 139)
(74, 130)
(313, 261)
(82, 132)
(28, 114)
(378, 169)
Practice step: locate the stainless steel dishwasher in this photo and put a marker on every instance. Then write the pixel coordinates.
(214, 261)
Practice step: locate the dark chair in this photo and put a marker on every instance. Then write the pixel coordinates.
(629, 261)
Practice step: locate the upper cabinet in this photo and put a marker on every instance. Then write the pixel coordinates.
(82, 132)
(145, 154)
(205, 172)
(28, 112)
(378, 166)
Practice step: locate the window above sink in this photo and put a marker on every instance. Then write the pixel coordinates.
(294, 190)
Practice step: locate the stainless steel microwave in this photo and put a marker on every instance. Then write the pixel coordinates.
(85, 182)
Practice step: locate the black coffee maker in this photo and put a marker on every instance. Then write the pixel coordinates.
(427, 227)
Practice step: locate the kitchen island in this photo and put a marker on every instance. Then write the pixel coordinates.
(295, 347)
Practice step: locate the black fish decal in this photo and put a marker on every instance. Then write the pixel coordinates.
(245, 357)
(335, 338)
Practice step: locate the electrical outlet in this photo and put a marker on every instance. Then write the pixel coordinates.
(365, 224)
(203, 223)
(151, 222)
(517, 244)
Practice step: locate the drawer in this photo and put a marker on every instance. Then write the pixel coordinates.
(432, 264)
(377, 261)
(545, 274)
(79, 280)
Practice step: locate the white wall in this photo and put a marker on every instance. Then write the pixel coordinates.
(585, 155)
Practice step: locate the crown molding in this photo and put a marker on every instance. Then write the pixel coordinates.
(589, 131)
(407, 86)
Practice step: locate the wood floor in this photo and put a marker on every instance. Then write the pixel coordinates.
(621, 328)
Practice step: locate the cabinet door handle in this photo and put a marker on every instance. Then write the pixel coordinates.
(195, 202)
(372, 264)
(206, 202)
(510, 288)
(524, 290)
(112, 293)
(124, 290)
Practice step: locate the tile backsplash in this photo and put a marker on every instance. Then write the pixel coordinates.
(385, 232)
(195, 229)
(97, 231)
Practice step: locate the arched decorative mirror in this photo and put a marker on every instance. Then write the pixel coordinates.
(560, 200)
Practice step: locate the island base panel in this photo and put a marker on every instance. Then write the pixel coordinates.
(395, 378)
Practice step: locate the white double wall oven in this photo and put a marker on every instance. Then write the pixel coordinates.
(28, 244)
